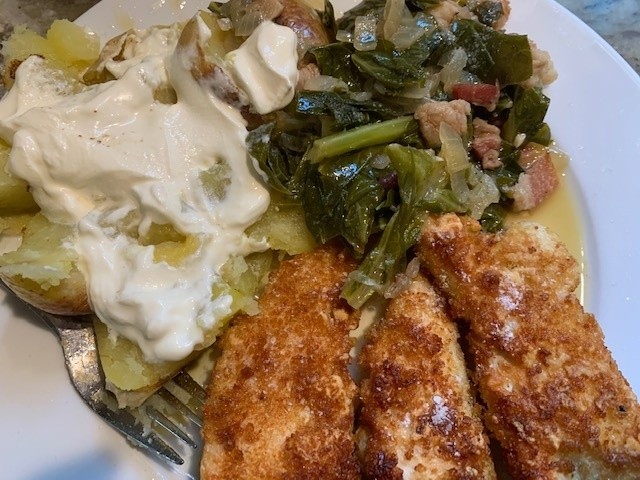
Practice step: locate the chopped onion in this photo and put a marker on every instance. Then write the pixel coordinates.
(380, 161)
(469, 184)
(453, 64)
(380, 88)
(403, 280)
(452, 150)
(344, 36)
(246, 24)
(225, 24)
(361, 96)
(483, 192)
(246, 15)
(409, 30)
(392, 17)
(364, 279)
(459, 186)
(325, 83)
(417, 91)
(413, 268)
(365, 37)
(519, 140)
(455, 156)
(400, 26)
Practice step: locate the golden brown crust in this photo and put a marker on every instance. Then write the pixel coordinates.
(67, 298)
(556, 401)
(419, 419)
(281, 400)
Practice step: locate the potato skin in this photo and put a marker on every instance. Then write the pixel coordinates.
(305, 22)
(67, 298)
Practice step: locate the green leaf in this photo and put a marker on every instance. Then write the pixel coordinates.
(341, 197)
(346, 112)
(542, 135)
(278, 154)
(526, 116)
(421, 5)
(422, 179)
(493, 55)
(334, 60)
(383, 262)
(423, 186)
(390, 70)
(507, 174)
(493, 217)
(328, 18)
(398, 69)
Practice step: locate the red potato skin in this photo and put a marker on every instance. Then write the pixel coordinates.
(306, 23)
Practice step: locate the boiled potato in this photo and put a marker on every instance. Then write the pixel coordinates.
(127, 374)
(131, 378)
(283, 227)
(43, 270)
(15, 198)
(66, 46)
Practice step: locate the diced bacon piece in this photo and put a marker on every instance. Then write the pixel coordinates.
(538, 180)
(431, 114)
(481, 94)
(305, 74)
(486, 143)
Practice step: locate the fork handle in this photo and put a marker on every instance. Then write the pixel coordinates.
(77, 338)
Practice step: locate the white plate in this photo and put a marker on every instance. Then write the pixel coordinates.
(47, 433)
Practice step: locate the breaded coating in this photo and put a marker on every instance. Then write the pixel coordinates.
(555, 399)
(419, 419)
(281, 400)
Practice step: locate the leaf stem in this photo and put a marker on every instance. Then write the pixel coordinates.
(357, 138)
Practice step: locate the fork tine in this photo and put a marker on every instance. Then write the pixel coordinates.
(179, 406)
(193, 388)
(127, 424)
(78, 342)
(162, 420)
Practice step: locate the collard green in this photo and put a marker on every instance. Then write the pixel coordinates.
(355, 159)
(492, 55)
(527, 115)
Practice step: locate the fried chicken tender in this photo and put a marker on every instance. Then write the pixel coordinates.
(419, 419)
(555, 399)
(281, 400)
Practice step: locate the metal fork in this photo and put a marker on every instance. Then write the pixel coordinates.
(176, 408)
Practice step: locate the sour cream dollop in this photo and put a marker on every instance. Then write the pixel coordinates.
(262, 66)
(103, 156)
